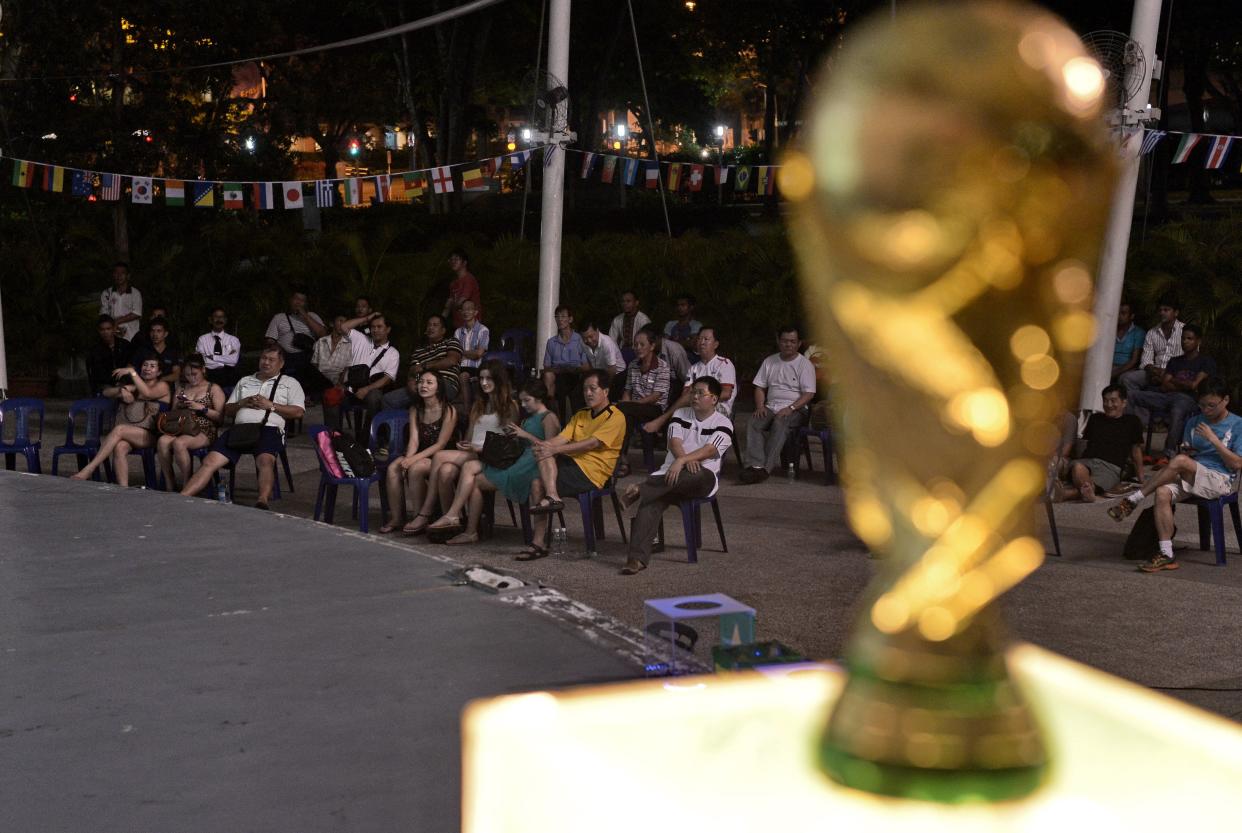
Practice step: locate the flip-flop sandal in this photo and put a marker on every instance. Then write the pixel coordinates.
(533, 553)
(454, 523)
(410, 529)
(547, 507)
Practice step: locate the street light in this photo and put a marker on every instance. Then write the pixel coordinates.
(250, 144)
(526, 135)
(720, 137)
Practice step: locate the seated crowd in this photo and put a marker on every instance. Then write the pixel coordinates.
(574, 418)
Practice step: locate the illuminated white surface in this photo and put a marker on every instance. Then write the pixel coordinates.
(737, 753)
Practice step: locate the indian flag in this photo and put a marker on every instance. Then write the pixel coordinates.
(174, 192)
(233, 196)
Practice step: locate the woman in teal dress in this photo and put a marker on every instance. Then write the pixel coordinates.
(513, 482)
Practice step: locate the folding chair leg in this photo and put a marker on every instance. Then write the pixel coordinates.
(1052, 525)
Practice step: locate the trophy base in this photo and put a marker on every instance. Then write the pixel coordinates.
(974, 740)
(943, 786)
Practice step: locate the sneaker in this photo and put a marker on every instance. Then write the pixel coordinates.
(1160, 562)
(1122, 509)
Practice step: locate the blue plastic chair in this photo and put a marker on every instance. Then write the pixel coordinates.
(592, 505)
(325, 499)
(18, 412)
(1212, 523)
(393, 423)
(96, 418)
(692, 523)
(824, 435)
(520, 341)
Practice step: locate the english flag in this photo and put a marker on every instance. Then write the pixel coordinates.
(442, 180)
(293, 194)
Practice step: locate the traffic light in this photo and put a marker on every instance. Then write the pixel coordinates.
(355, 147)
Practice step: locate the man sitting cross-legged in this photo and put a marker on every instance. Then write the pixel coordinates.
(269, 397)
(1214, 438)
(1111, 437)
(580, 458)
(698, 438)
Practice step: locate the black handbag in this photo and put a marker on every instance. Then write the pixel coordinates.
(301, 341)
(500, 450)
(244, 438)
(359, 375)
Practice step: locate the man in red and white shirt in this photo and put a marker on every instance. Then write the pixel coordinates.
(698, 438)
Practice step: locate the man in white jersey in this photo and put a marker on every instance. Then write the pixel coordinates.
(698, 438)
(712, 364)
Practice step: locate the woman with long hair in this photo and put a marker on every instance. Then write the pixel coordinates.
(514, 482)
(204, 401)
(139, 397)
(492, 410)
(433, 423)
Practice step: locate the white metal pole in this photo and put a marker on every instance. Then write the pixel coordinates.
(1112, 272)
(553, 182)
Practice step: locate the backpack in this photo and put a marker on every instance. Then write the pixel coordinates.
(354, 459)
(1143, 542)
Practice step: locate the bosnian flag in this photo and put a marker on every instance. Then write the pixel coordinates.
(264, 195)
(442, 179)
(696, 177)
(1188, 143)
(233, 197)
(141, 191)
(293, 194)
(631, 171)
(1220, 149)
(652, 174)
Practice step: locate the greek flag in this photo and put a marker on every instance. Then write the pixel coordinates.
(1150, 140)
(325, 193)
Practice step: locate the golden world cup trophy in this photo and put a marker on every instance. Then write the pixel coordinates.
(949, 198)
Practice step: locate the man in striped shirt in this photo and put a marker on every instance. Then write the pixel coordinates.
(474, 338)
(441, 353)
(698, 438)
(1163, 342)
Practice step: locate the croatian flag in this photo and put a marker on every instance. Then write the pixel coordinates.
(1220, 149)
(293, 194)
(1188, 143)
(265, 195)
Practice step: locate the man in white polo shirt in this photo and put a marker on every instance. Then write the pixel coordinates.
(373, 366)
(784, 385)
(220, 350)
(267, 398)
(122, 302)
(712, 364)
(698, 438)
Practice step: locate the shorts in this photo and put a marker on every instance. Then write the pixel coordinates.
(270, 442)
(1209, 484)
(1103, 473)
(571, 480)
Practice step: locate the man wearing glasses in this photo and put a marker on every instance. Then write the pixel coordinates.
(1207, 467)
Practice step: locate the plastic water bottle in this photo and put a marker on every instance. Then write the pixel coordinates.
(222, 492)
(792, 473)
(558, 542)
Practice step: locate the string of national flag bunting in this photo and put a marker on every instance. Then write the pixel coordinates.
(478, 175)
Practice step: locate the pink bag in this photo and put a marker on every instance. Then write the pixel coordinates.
(326, 455)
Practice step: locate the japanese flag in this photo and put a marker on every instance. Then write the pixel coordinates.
(293, 194)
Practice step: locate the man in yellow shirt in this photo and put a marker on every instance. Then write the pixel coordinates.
(582, 457)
